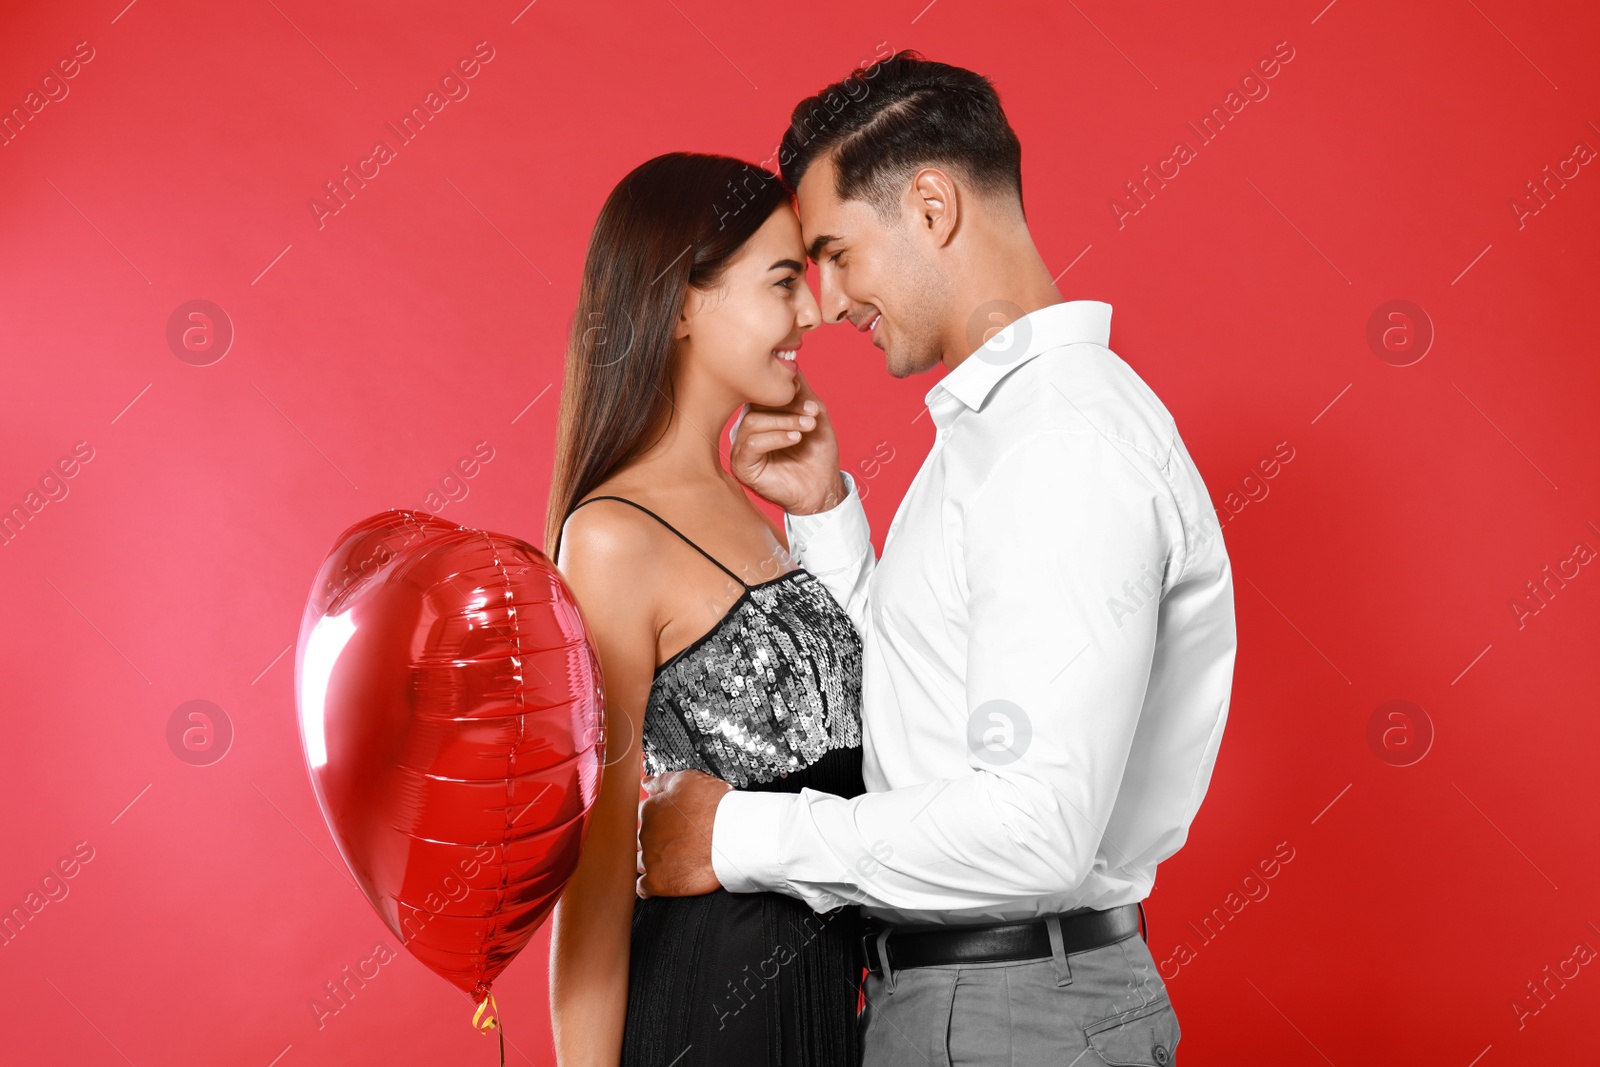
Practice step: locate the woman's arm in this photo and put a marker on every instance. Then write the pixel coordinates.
(604, 558)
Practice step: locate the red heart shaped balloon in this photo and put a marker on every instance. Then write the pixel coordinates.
(451, 714)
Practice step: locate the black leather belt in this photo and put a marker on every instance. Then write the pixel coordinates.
(930, 946)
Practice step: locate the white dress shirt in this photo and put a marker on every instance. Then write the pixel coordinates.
(1048, 652)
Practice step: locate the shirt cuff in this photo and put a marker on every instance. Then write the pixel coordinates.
(745, 842)
(834, 539)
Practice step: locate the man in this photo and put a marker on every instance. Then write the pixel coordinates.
(1049, 634)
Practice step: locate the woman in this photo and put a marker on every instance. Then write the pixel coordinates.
(717, 652)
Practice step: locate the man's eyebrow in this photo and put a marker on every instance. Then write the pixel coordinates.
(788, 264)
(822, 241)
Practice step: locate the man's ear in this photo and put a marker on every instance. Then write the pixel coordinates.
(937, 203)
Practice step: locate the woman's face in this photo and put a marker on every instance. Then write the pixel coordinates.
(745, 333)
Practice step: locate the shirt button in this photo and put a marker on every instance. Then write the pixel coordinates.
(1162, 1056)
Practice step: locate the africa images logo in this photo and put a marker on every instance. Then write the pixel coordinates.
(1252, 87)
(453, 84)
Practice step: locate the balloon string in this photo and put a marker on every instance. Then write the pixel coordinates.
(490, 1022)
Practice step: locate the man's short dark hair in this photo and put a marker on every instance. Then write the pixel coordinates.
(885, 121)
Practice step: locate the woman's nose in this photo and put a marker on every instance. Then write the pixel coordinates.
(809, 314)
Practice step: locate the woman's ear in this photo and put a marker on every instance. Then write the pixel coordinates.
(692, 300)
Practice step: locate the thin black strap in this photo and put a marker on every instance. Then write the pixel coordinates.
(668, 525)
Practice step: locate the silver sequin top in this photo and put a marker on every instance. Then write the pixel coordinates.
(769, 690)
(774, 685)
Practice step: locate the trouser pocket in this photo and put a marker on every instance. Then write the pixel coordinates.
(1144, 1037)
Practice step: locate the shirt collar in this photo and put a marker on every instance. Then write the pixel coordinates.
(1068, 322)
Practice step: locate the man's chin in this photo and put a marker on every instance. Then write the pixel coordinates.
(899, 367)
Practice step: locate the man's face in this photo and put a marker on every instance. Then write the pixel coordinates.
(873, 275)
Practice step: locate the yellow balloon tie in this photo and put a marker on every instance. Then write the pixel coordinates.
(484, 1024)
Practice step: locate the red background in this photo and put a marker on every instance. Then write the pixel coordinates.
(429, 314)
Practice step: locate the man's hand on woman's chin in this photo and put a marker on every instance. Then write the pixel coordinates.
(801, 475)
(675, 822)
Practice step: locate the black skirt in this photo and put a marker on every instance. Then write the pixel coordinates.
(745, 979)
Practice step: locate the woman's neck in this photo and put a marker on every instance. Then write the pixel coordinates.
(687, 452)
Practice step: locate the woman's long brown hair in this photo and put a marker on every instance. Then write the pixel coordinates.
(674, 221)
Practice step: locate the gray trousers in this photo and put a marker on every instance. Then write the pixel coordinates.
(1088, 1009)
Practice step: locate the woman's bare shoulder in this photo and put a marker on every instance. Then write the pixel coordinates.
(608, 541)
